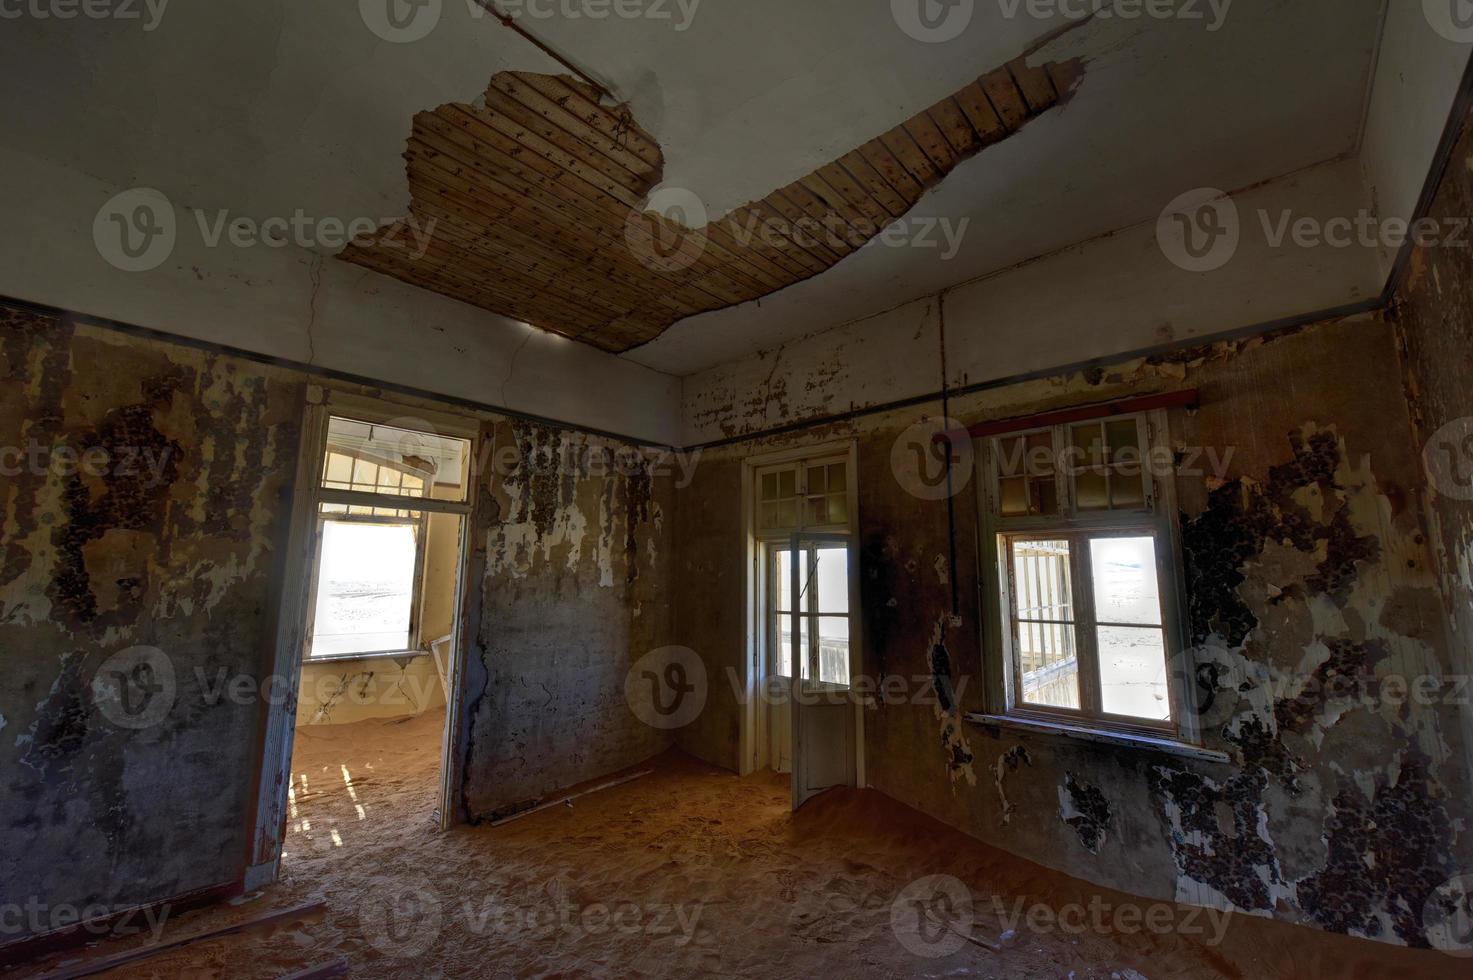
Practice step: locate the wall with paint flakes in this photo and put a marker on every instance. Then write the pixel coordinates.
(148, 515)
(1312, 590)
(145, 544)
(1435, 326)
(575, 592)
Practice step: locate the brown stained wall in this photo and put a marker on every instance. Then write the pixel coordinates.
(1308, 561)
(172, 549)
(1435, 325)
(95, 812)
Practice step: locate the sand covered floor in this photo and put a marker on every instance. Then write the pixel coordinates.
(692, 871)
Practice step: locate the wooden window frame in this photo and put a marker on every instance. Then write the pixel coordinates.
(1155, 518)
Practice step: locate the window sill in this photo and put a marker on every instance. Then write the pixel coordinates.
(339, 658)
(1150, 743)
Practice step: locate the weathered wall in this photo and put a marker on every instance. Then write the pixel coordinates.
(164, 539)
(1435, 324)
(575, 591)
(168, 539)
(1340, 808)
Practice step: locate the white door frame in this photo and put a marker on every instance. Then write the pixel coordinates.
(267, 831)
(754, 751)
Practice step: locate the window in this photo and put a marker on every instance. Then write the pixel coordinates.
(373, 558)
(1084, 596)
(823, 614)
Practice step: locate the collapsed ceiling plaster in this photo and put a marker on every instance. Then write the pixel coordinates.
(537, 205)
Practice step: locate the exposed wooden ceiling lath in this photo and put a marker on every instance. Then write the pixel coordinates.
(534, 205)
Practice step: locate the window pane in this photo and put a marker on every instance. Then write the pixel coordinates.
(817, 482)
(769, 516)
(769, 486)
(365, 588)
(1089, 440)
(817, 511)
(833, 581)
(1133, 673)
(783, 649)
(1043, 497)
(1043, 613)
(787, 513)
(339, 468)
(833, 649)
(401, 454)
(1091, 491)
(839, 509)
(1010, 454)
(787, 484)
(1124, 574)
(1127, 490)
(1014, 497)
(1123, 438)
(782, 597)
(1040, 460)
(838, 477)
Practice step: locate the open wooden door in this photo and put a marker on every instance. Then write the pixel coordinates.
(823, 731)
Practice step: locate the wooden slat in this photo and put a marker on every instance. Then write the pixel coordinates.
(978, 108)
(1034, 83)
(903, 147)
(928, 137)
(955, 128)
(878, 155)
(864, 173)
(1003, 93)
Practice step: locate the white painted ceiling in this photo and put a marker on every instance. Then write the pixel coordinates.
(270, 107)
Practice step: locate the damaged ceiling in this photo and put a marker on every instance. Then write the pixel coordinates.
(534, 204)
(270, 110)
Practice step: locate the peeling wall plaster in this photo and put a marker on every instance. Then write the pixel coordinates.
(1435, 327)
(1312, 586)
(173, 548)
(575, 591)
(164, 538)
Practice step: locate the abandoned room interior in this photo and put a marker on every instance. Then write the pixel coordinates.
(610, 488)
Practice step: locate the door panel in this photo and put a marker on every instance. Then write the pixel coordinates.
(822, 706)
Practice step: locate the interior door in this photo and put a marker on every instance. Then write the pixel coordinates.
(822, 707)
(778, 669)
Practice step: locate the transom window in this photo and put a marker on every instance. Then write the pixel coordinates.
(382, 574)
(803, 496)
(1084, 597)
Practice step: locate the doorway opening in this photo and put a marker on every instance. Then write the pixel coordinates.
(371, 628)
(805, 720)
